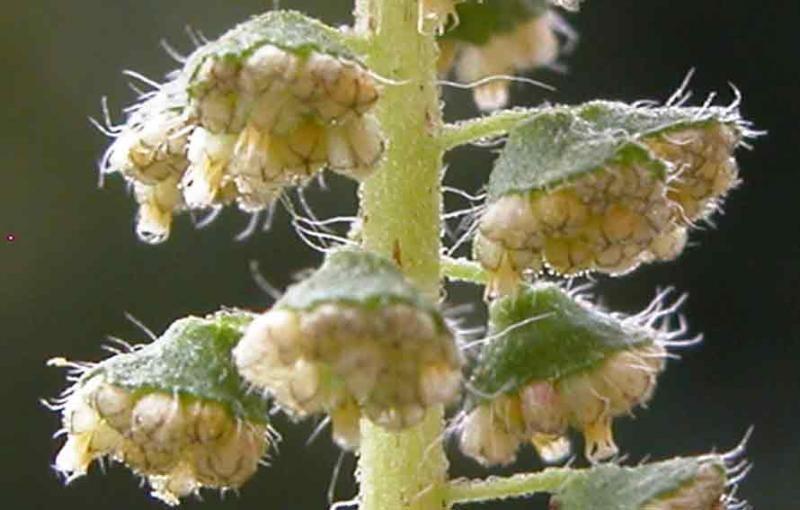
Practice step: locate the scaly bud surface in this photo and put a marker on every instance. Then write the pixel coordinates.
(354, 338)
(173, 411)
(265, 106)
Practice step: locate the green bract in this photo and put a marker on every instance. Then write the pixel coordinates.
(478, 20)
(545, 334)
(356, 277)
(554, 361)
(698, 482)
(566, 142)
(557, 145)
(645, 121)
(288, 30)
(191, 359)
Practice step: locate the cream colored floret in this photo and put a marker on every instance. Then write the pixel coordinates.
(389, 364)
(179, 445)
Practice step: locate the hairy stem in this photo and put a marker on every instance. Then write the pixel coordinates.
(496, 488)
(473, 130)
(400, 207)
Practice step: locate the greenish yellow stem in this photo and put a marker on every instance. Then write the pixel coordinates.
(401, 213)
(473, 130)
(401, 203)
(464, 270)
(497, 488)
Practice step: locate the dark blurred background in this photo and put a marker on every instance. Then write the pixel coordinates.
(71, 264)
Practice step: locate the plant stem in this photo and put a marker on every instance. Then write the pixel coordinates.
(464, 270)
(468, 131)
(400, 207)
(497, 488)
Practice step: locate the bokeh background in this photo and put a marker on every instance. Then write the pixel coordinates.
(70, 264)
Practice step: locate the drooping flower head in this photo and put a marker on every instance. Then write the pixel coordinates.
(174, 411)
(355, 338)
(604, 187)
(552, 360)
(265, 106)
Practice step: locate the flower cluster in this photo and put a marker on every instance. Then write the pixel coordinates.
(542, 411)
(532, 44)
(247, 116)
(364, 345)
(609, 220)
(492, 40)
(179, 444)
(631, 203)
(703, 168)
(555, 361)
(391, 364)
(173, 411)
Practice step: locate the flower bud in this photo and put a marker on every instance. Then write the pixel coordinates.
(532, 44)
(354, 338)
(704, 170)
(265, 106)
(497, 39)
(554, 361)
(552, 448)
(602, 187)
(490, 434)
(151, 146)
(173, 411)
(157, 203)
(684, 483)
(697, 145)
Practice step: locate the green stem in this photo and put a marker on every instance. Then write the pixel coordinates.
(401, 203)
(473, 130)
(464, 270)
(401, 207)
(497, 488)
